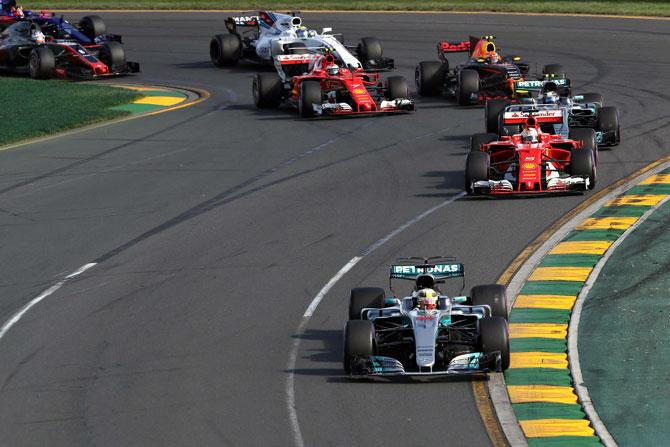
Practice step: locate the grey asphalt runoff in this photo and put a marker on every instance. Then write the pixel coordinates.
(215, 226)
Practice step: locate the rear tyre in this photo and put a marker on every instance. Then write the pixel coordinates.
(359, 340)
(493, 295)
(429, 77)
(554, 69)
(588, 98)
(587, 136)
(310, 94)
(476, 169)
(364, 297)
(468, 85)
(92, 26)
(41, 63)
(492, 112)
(608, 124)
(113, 55)
(225, 50)
(481, 138)
(397, 88)
(267, 90)
(370, 48)
(494, 336)
(583, 165)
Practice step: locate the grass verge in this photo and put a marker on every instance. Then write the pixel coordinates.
(33, 109)
(610, 7)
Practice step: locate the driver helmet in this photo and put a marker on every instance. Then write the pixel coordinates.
(551, 97)
(17, 12)
(333, 70)
(530, 133)
(427, 299)
(493, 58)
(302, 32)
(37, 36)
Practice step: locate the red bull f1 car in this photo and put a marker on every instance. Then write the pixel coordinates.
(317, 86)
(402, 336)
(532, 162)
(486, 74)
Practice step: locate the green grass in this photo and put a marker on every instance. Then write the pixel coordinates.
(33, 109)
(617, 7)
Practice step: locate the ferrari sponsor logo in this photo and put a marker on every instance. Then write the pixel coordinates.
(529, 165)
(359, 91)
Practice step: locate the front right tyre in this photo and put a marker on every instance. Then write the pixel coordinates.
(359, 341)
(41, 63)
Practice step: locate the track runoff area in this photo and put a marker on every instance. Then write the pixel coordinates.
(568, 306)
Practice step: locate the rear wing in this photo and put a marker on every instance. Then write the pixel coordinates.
(543, 113)
(561, 85)
(440, 268)
(444, 48)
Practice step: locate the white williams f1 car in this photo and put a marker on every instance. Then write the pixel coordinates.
(427, 332)
(261, 37)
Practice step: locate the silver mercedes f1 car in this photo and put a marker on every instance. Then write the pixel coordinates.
(391, 336)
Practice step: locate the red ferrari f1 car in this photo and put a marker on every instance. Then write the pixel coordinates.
(531, 162)
(318, 87)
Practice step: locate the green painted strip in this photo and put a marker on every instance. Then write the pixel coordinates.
(650, 189)
(525, 315)
(594, 235)
(621, 211)
(538, 376)
(169, 93)
(137, 108)
(538, 345)
(570, 260)
(547, 410)
(565, 441)
(569, 288)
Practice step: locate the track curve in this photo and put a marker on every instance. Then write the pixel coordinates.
(214, 227)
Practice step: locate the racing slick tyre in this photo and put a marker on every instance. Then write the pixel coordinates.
(476, 168)
(359, 340)
(41, 63)
(429, 77)
(295, 48)
(492, 295)
(492, 111)
(267, 90)
(113, 55)
(397, 88)
(608, 124)
(310, 94)
(582, 164)
(554, 69)
(92, 26)
(588, 98)
(364, 297)
(370, 48)
(587, 136)
(494, 336)
(468, 85)
(225, 50)
(481, 138)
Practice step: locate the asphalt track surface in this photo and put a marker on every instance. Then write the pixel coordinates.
(214, 227)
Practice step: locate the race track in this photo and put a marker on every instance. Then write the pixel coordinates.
(215, 226)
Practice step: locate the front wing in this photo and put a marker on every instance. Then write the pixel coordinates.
(466, 364)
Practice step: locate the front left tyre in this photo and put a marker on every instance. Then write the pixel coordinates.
(359, 341)
(41, 63)
(267, 90)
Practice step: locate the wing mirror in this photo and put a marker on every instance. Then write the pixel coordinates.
(326, 30)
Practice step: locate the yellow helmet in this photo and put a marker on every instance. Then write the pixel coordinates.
(427, 299)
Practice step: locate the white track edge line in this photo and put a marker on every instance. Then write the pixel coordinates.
(7, 325)
(295, 348)
(573, 333)
(496, 386)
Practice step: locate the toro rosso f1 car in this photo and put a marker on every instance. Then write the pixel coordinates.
(24, 48)
(564, 115)
(317, 86)
(532, 162)
(426, 333)
(263, 36)
(486, 75)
